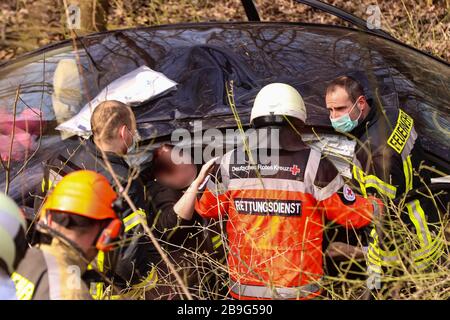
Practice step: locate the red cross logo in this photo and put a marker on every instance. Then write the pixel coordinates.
(348, 193)
(295, 170)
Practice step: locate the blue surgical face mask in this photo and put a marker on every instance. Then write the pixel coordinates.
(344, 123)
(133, 147)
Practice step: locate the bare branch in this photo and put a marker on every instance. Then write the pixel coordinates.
(8, 167)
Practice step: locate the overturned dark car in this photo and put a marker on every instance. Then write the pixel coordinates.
(205, 59)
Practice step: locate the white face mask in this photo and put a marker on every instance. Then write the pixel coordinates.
(132, 148)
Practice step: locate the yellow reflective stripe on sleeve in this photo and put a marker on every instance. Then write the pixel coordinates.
(434, 258)
(358, 174)
(388, 257)
(138, 289)
(402, 130)
(417, 217)
(426, 256)
(437, 246)
(438, 251)
(385, 262)
(430, 250)
(377, 248)
(410, 172)
(424, 252)
(376, 255)
(149, 282)
(24, 287)
(372, 257)
(96, 290)
(382, 187)
(216, 241)
(217, 245)
(407, 169)
(101, 261)
(133, 220)
(375, 268)
(373, 261)
(52, 179)
(373, 233)
(50, 184)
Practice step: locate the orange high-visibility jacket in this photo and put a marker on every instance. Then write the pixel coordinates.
(275, 220)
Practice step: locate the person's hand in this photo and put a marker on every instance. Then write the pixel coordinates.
(184, 208)
(204, 172)
(343, 251)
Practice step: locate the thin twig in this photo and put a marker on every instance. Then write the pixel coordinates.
(8, 168)
(27, 160)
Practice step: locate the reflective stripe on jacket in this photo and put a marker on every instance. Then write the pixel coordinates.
(387, 164)
(275, 220)
(51, 272)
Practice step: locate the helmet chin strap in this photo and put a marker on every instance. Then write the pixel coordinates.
(54, 233)
(68, 242)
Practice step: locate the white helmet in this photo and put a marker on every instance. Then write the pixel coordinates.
(278, 99)
(12, 234)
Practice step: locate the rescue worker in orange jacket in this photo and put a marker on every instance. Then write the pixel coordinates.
(80, 218)
(276, 212)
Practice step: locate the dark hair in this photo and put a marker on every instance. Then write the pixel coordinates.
(108, 117)
(353, 88)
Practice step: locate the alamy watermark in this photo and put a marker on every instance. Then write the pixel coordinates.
(374, 17)
(73, 280)
(73, 17)
(258, 145)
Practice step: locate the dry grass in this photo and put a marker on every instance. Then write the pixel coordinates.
(26, 24)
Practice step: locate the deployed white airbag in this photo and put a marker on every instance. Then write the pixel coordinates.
(133, 88)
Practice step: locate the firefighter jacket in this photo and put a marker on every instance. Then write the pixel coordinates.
(131, 262)
(388, 158)
(51, 272)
